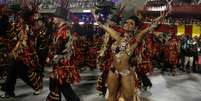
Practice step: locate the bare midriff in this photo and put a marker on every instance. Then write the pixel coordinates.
(120, 63)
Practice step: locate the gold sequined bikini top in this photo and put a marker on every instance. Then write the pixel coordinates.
(118, 48)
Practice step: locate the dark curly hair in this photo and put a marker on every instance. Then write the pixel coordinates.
(136, 19)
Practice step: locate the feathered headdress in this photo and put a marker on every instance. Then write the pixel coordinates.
(136, 19)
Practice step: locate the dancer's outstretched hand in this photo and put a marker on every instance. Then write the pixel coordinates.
(96, 18)
(163, 14)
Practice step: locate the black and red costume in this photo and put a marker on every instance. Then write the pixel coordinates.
(23, 63)
(65, 71)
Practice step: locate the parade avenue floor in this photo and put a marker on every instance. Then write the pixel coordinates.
(183, 87)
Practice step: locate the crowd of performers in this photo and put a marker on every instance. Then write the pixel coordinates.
(31, 41)
(124, 54)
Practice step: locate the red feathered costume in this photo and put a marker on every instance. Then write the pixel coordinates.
(171, 52)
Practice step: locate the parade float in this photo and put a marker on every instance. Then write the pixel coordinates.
(184, 17)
